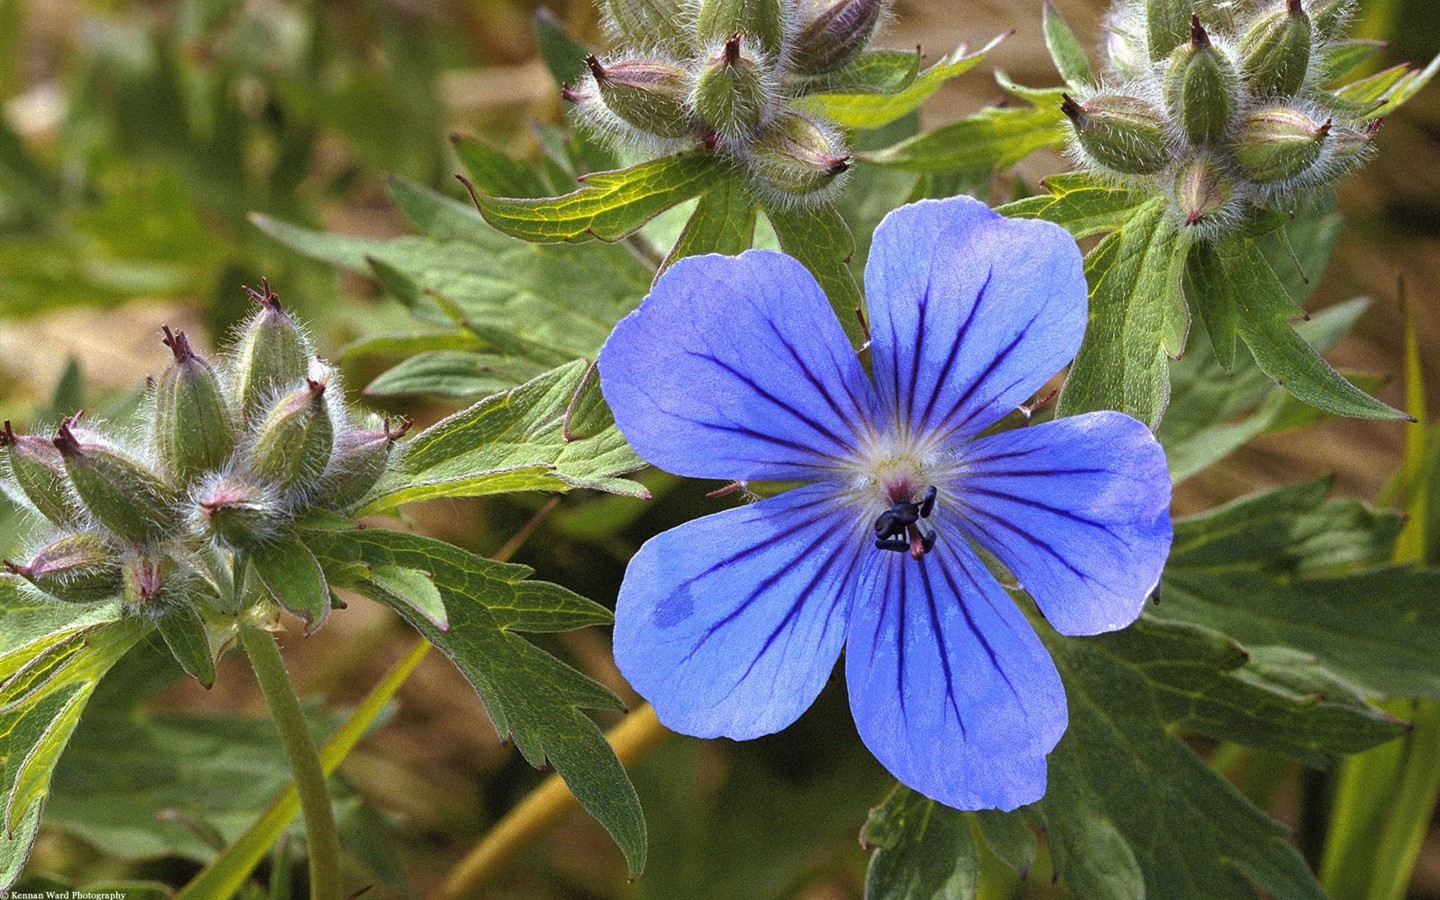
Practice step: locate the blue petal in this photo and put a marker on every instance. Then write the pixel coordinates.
(950, 687)
(736, 368)
(1078, 509)
(730, 625)
(971, 313)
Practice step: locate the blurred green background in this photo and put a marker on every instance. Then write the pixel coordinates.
(136, 140)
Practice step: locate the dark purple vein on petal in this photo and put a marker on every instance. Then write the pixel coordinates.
(954, 353)
(775, 401)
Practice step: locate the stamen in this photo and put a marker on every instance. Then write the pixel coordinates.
(896, 528)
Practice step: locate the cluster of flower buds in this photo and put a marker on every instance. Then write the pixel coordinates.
(1220, 105)
(725, 74)
(234, 453)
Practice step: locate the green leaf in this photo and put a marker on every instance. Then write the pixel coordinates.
(1065, 49)
(564, 55)
(408, 587)
(1138, 318)
(531, 696)
(818, 237)
(1081, 203)
(994, 138)
(516, 441)
(288, 572)
(1280, 569)
(923, 850)
(456, 374)
(610, 205)
(1235, 288)
(1384, 92)
(868, 109)
(873, 71)
(184, 633)
(493, 172)
(723, 222)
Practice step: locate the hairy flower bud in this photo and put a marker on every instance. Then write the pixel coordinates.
(1167, 25)
(36, 467)
(1276, 52)
(237, 513)
(731, 94)
(122, 494)
(647, 94)
(292, 445)
(1200, 89)
(760, 21)
(272, 355)
(1352, 146)
(359, 462)
(834, 33)
(1125, 134)
(648, 25)
(1329, 17)
(795, 157)
(78, 568)
(1278, 143)
(193, 433)
(1203, 192)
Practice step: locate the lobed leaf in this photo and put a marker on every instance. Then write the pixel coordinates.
(818, 237)
(1065, 50)
(921, 850)
(994, 138)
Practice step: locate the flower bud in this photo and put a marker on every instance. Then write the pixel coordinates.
(359, 462)
(122, 494)
(237, 513)
(646, 94)
(1199, 89)
(1278, 143)
(1122, 133)
(292, 446)
(796, 157)
(1167, 25)
(272, 355)
(1352, 146)
(193, 433)
(78, 568)
(36, 467)
(1203, 192)
(1276, 52)
(1329, 17)
(835, 32)
(760, 21)
(731, 94)
(649, 25)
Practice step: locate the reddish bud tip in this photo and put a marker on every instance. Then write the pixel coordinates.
(399, 430)
(1372, 127)
(1072, 110)
(732, 49)
(317, 388)
(1323, 130)
(1294, 7)
(16, 570)
(839, 164)
(265, 297)
(569, 94)
(178, 344)
(1198, 36)
(595, 68)
(65, 440)
(7, 436)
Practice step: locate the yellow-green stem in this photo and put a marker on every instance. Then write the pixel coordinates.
(295, 737)
(545, 807)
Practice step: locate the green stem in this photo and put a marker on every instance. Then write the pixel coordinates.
(279, 691)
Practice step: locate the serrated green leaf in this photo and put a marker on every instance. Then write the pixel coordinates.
(723, 222)
(609, 205)
(1065, 50)
(1138, 319)
(515, 441)
(531, 696)
(1263, 571)
(291, 577)
(867, 109)
(994, 138)
(818, 237)
(455, 374)
(923, 850)
(1384, 92)
(1080, 203)
(1342, 56)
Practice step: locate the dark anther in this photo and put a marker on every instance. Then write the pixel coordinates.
(927, 543)
(927, 503)
(896, 528)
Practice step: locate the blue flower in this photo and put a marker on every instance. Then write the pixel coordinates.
(736, 368)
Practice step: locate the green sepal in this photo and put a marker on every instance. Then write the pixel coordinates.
(1167, 25)
(648, 94)
(184, 632)
(1200, 88)
(272, 356)
(77, 568)
(759, 21)
(1125, 134)
(293, 580)
(293, 444)
(122, 494)
(192, 426)
(1275, 52)
(38, 470)
(836, 32)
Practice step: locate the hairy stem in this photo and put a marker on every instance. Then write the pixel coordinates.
(545, 807)
(315, 805)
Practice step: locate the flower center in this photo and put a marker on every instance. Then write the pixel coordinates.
(898, 528)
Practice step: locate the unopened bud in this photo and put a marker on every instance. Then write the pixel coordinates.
(1329, 17)
(1276, 52)
(1199, 89)
(193, 433)
(796, 157)
(760, 21)
(121, 493)
(238, 513)
(836, 32)
(1352, 146)
(39, 472)
(360, 460)
(649, 25)
(292, 446)
(731, 94)
(647, 94)
(272, 355)
(1122, 133)
(1278, 143)
(1167, 26)
(78, 568)
(1203, 193)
